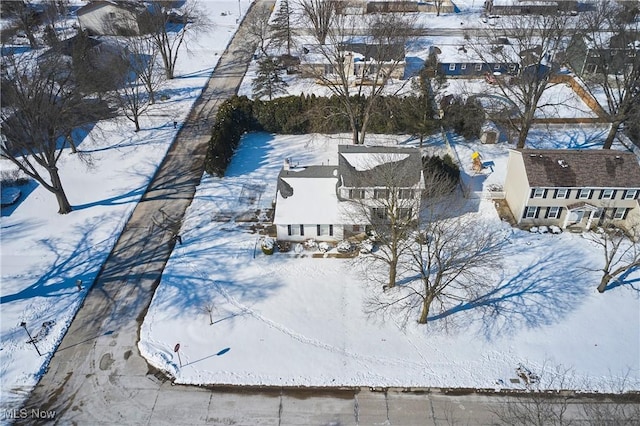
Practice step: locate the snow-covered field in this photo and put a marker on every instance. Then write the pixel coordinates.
(43, 253)
(290, 319)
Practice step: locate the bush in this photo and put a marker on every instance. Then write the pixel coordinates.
(465, 118)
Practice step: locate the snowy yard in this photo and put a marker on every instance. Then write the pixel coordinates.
(43, 253)
(291, 319)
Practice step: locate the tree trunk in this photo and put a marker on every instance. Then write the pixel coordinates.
(426, 304)
(393, 272)
(522, 137)
(604, 282)
(63, 203)
(613, 131)
(137, 124)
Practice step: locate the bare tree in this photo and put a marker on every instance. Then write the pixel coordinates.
(258, 27)
(143, 59)
(386, 196)
(320, 14)
(620, 249)
(454, 259)
(438, 4)
(42, 108)
(132, 98)
(169, 29)
(209, 308)
(529, 44)
(26, 16)
(610, 44)
(359, 84)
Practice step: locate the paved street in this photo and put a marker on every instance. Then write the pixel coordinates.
(97, 375)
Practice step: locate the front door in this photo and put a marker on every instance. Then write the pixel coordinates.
(575, 217)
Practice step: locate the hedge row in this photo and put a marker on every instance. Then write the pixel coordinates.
(307, 114)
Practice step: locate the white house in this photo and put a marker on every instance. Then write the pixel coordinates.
(330, 203)
(107, 17)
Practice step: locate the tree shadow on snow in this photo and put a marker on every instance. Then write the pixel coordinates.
(540, 294)
(81, 262)
(630, 278)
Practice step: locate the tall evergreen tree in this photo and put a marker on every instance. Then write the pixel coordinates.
(282, 26)
(268, 81)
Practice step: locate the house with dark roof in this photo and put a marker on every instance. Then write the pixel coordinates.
(334, 202)
(109, 17)
(575, 189)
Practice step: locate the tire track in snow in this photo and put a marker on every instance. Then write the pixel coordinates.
(307, 340)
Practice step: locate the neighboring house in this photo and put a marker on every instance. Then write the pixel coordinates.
(360, 60)
(573, 188)
(529, 7)
(586, 57)
(331, 203)
(460, 60)
(112, 17)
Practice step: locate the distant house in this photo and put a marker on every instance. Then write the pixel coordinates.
(361, 60)
(460, 60)
(106, 17)
(330, 203)
(529, 7)
(573, 188)
(587, 57)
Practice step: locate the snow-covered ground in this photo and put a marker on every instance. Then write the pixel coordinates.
(43, 253)
(290, 319)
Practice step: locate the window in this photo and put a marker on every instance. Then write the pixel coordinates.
(323, 230)
(553, 212)
(380, 194)
(295, 230)
(584, 194)
(619, 213)
(538, 193)
(329, 69)
(379, 213)
(607, 194)
(452, 67)
(496, 67)
(404, 213)
(599, 213)
(531, 212)
(289, 230)
(463, 66)
(478, 67)
(562, 193)
(302, 230)
(512, 67)
(630, 194)
(355, 228)
(406, 194)
(356, 194)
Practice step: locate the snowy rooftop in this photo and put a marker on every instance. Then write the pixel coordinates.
(307, 196)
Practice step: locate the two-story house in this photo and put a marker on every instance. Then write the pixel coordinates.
(573, 188)
(610, 51)
(334, 202)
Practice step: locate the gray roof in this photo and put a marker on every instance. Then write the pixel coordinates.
(404, 173)
(597, 168)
